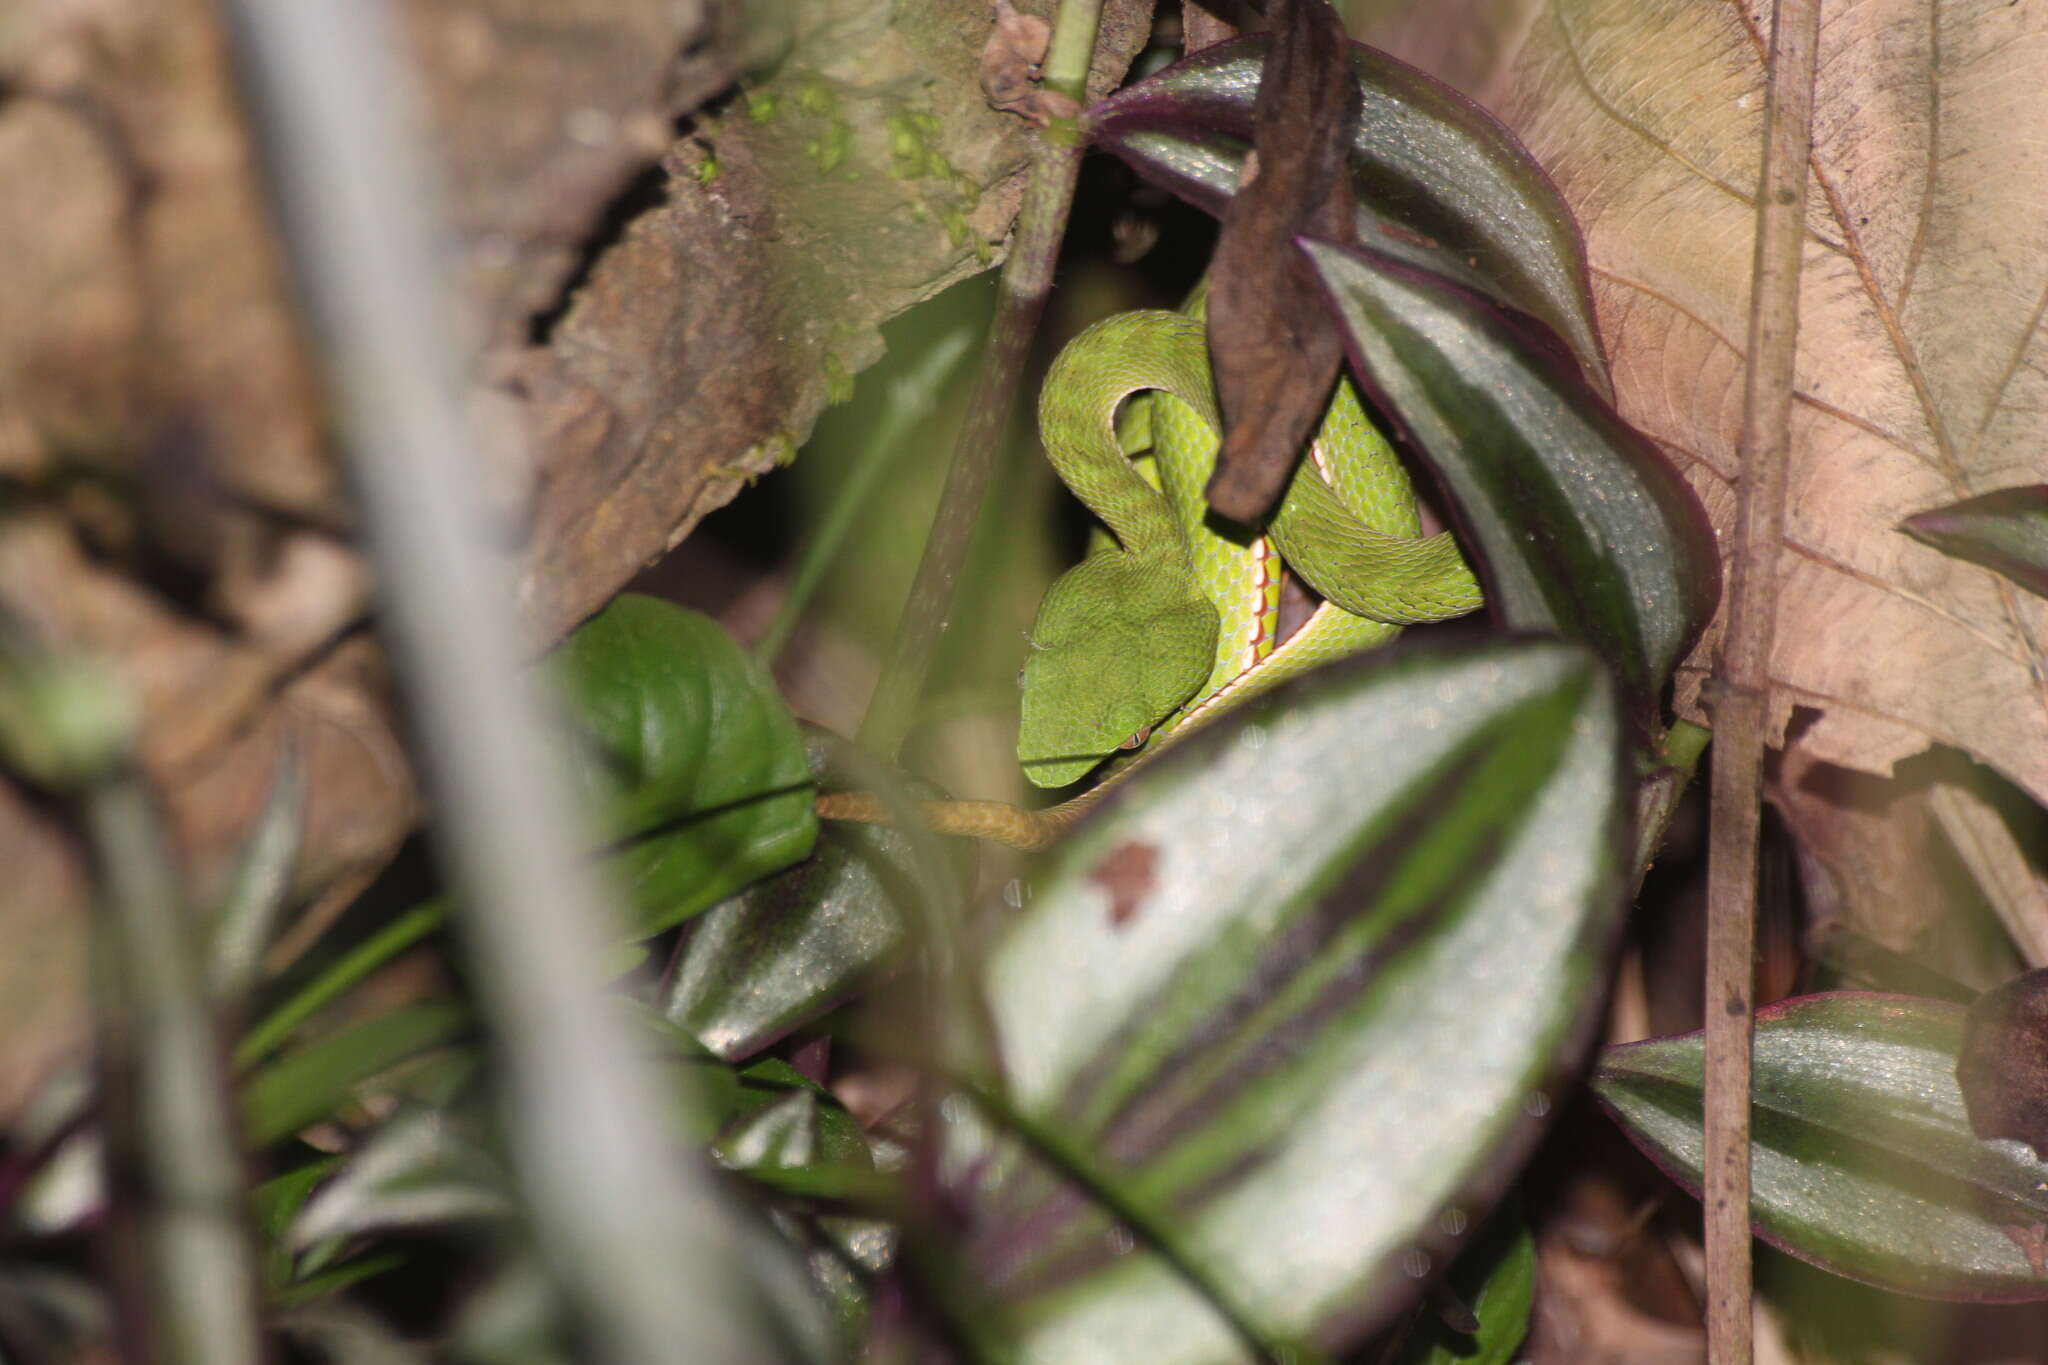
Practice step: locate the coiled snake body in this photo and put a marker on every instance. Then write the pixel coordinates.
(1176, 621)
(1171, 619)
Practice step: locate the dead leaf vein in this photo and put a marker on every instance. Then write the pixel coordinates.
(1823, 700)
(1888, 316)
(1600, 101)
(2003, 648)
(1727, 475)
(1865, 425)
(1927, 159)
(2005, 378)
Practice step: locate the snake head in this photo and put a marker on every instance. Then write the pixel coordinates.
(1114, 652)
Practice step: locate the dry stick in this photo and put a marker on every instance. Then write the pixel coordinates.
(1742, 700)
(1027, 279)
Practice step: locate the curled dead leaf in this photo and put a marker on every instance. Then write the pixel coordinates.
(1272, 342)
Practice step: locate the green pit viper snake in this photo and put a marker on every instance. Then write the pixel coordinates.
(1173, 621)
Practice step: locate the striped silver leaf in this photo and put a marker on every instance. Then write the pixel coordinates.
(1280, 1020)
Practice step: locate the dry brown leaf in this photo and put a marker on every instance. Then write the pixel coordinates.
(1271, 344)
(1923, 364)
(1010, 63)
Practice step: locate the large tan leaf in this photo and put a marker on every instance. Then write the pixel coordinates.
(1923, 370)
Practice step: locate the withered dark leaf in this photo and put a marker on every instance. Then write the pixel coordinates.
(2002, 1066)
(1275, 352)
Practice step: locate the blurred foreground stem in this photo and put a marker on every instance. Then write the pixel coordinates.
(644, 1246)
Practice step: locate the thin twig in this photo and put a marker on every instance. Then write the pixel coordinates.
(639, 1238)
(1742, 695)
(1027, 279)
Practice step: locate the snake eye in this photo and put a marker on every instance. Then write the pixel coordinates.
(1138, 740)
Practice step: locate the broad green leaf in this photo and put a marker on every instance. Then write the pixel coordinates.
(2006, 532)
(1439, 182)
(1583, 527)
(1290, 1003)
(788, 948)
(1863, 1160)
(692, 755)
(1496, 1278)
(311, 1082)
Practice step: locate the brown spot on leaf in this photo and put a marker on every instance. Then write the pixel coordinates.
(2002, 1066)
(1128, 874)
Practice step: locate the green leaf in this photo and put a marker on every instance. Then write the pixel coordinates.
(260, 884)
(2006, 532)
(276, 1202)
(1438, 181)
(1863, 1160)
(1290, 1001)
(421, 1168)
(335, 1279)
(1585, 530)
(1496, 1278)
(787, 949)
(692, 755)
(787, 1121)
(310, 1083)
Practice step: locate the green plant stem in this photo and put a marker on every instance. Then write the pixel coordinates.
(1657, 796)
(1741, 706)
(911, 398)
(170, 1124)
(352, 968)
(1027, 280)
